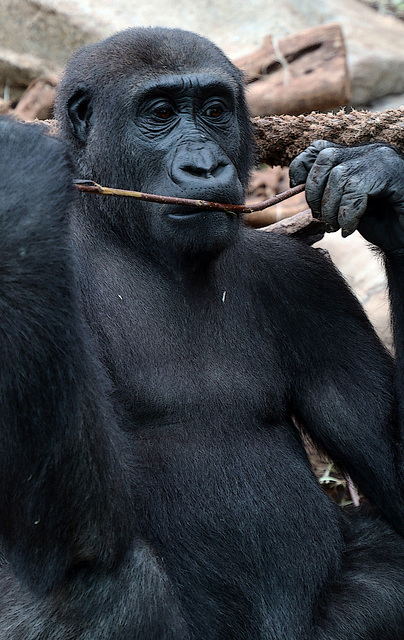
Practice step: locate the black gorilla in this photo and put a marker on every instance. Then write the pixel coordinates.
(153, 485)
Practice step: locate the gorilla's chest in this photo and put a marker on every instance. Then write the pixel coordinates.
(173, 351)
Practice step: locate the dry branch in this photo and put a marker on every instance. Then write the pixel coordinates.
(291, 225)
(265, 183)
(302, 226)
(91, 187)
(282, 138)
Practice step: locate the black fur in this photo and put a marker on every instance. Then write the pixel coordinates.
(153, 486)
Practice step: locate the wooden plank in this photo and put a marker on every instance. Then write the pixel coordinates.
(299, 73)
(38, 100)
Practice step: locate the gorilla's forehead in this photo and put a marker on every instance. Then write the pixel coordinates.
(149, 51)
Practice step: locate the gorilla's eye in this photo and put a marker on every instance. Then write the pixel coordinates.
(214, 112)
(164, 112)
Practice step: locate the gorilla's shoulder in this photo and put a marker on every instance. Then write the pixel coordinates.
(288, 265)
(279, 251)
(296, 278)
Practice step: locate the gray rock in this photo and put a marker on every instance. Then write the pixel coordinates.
(37, 39)
(17, 70)
(46, 30)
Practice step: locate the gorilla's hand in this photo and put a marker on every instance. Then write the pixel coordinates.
(355, 188)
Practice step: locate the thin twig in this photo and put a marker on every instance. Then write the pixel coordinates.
(352, 491)
(88, 186)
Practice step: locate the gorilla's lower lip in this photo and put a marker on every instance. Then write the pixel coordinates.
(179, 215)
(185, 213)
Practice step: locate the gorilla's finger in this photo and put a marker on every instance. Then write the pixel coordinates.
(300, 167)
(318, 177)
(332, 195)
(352, 207)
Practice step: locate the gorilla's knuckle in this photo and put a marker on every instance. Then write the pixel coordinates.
(328, 156)
(338, 173)
(320, 145)
(390, 157)
(353, 184)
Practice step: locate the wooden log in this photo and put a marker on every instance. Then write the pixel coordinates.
(38, 100)
(281, 138)
(298, 73)
(301, 226)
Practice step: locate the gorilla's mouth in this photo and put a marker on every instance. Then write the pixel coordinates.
(179, 215)
(188, 214)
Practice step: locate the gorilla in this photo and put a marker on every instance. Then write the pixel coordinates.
(155, 360)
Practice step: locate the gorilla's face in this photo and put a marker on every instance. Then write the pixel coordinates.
(173, 132)
(186, 132)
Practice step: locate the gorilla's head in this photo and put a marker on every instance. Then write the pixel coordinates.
(162, 111)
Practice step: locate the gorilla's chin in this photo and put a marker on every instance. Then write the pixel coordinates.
(197, 231)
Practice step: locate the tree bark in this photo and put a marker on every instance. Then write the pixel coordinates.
(281, 138)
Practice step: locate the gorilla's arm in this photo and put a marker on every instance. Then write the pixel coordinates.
(343, 382)
(64, 489)
(363, 188)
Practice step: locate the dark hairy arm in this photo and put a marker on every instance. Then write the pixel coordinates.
(343, 382)
(363, 188)
(60, 505)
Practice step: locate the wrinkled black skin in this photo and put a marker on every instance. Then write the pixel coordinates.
(355, 188)
(154, 486)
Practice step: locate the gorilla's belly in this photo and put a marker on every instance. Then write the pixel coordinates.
(216, 508)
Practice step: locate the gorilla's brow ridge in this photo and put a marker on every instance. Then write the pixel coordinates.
(175, 84)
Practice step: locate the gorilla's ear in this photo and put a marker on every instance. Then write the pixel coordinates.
(79, 112)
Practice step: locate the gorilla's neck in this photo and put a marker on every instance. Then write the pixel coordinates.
(93, 226)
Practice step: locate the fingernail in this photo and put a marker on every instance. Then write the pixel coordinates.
(345, 233)
(329, 228)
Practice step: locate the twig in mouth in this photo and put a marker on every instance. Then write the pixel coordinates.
(89, 186)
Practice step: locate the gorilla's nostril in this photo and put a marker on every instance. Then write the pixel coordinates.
(193, 170)
(219, 169)
(204, 172)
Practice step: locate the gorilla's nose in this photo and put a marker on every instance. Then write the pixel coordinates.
(203, 172)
